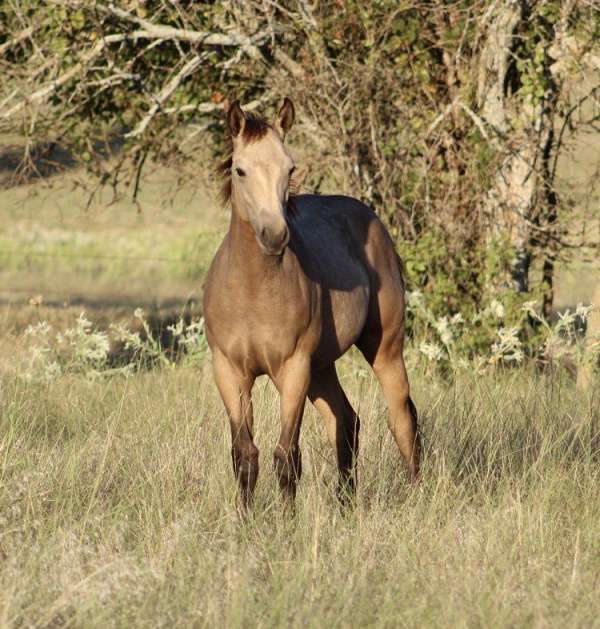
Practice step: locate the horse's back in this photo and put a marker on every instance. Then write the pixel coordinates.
(334, 210)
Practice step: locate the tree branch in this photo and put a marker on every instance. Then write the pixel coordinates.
(162, 31)
(189, 68)
(151, 31)
(42, 93)
(207, 108)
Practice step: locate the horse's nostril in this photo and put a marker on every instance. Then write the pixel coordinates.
(273, 240)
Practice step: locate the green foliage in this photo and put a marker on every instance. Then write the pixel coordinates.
(389, 102)
(456, 322)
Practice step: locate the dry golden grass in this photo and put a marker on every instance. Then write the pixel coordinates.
(117, 508)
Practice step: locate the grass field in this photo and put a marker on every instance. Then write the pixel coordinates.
(117, 508)
(52, 245)
(117, 501)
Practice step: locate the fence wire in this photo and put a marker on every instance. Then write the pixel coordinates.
(43, 254)
(60, 298)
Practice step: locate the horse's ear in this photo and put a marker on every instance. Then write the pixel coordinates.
(235, 119)
(285, 118)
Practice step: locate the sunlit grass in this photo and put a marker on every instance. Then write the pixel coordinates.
(117, 508)
(117, 501)
(53, 245)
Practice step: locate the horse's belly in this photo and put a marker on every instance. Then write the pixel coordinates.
(343, 318)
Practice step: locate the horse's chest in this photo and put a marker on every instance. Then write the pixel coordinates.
(260, 332)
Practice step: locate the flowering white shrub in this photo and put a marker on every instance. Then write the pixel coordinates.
(83, 349)
(42, 364)
(443, 340)
(432, 351)
(508, 347)
(191, 338)
(496, 308)
(86, 347)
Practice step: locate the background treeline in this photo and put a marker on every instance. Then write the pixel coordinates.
(450, 118)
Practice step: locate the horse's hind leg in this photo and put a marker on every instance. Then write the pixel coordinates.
(235, 389)
(388, 365)
(341, 422)
(402, 418)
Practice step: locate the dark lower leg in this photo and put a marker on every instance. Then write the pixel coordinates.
(341, 422)
(347, 450)
(288, 469)
(403, 425)
(245, 467)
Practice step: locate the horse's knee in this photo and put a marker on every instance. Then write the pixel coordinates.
(245, 463)
(288, 466)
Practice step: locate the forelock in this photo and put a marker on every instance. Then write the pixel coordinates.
(255, 128)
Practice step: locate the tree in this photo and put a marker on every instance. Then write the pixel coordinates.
(448, 117)
(527, 70)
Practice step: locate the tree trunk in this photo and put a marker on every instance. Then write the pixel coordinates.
(585, 373)
(522, 136)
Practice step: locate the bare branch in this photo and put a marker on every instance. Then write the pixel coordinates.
(479, 122)
(206, 38)
(189, 68)
(152, 31)
(45, 91)
(295, 69)
(207, 108)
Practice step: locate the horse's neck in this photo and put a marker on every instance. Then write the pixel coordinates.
(245, 253)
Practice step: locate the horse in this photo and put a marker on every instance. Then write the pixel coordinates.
(296, 281)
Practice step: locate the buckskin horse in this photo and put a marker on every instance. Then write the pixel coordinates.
(298, 280)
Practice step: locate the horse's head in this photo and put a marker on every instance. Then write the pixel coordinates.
(261, 168)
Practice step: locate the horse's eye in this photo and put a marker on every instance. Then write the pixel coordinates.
(240, 172)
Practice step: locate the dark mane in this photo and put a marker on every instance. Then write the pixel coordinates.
(255, 128)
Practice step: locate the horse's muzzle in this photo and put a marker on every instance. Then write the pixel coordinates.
(273, 242)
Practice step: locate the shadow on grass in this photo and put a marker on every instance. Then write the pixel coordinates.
(20, 164)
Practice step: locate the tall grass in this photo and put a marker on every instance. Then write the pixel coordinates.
(117, 508)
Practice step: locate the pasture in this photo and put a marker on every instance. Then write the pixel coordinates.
(117, 509)
(472, 131)
(117, 501)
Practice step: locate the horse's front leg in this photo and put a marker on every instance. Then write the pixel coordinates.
(235, 388)
(292, 381)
